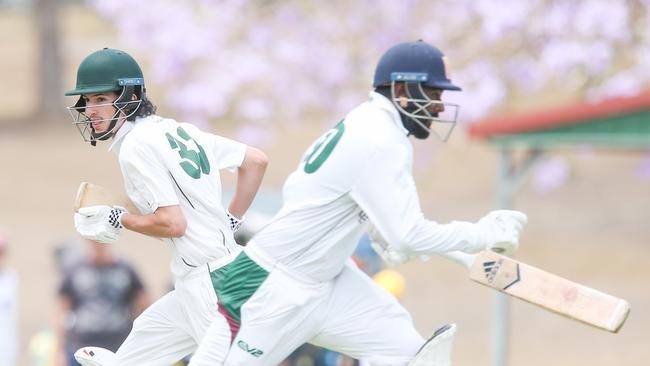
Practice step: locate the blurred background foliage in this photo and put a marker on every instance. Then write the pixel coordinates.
(269, 62)
(266, 66)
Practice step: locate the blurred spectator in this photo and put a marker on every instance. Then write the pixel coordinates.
(366, 258)
(99, 298)
(8, 308)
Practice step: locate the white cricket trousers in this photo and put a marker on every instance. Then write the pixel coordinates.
(172, 327)
(349, 314)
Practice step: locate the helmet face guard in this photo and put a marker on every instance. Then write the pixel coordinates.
(418, 65)
(124, 108)
(414, 108)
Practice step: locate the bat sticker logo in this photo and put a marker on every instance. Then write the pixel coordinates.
(490, 270)
(507, 278)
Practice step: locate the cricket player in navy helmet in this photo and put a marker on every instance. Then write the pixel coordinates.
(416, 93)
(171, 174)
(295, 282)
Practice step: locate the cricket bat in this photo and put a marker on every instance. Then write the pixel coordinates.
(546, 290)
(89, 194)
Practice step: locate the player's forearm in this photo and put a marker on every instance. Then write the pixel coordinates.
(462, 258)
(249, 179)
(166, 222)
(428, 237)
(455, 236)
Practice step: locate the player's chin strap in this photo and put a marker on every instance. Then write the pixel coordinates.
(123, 104)
(414, 113)
(437, 350)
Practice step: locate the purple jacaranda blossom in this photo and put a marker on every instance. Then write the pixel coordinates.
(256, 109)
(643, 55)
(482, 90)
(624, 83)
(193, 99)
(606, 19)
(557, 18)
(550, 173)
(256, 135)
(643, 170)
(523, 71)
(289, 63)
(502, 17)
(305, 56)
(594, 58)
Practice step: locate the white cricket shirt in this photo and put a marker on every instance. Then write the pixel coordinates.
(166, 163)
(358, 173)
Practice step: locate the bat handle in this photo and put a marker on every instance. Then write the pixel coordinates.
(464, 259)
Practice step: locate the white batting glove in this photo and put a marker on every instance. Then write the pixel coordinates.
(99, 223)
(233, 221)
(500, 230)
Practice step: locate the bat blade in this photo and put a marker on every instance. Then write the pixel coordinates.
(89, 194)
(550, 291)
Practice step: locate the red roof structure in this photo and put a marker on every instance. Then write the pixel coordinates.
(549, 119)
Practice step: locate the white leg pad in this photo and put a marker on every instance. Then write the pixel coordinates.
(94, 356)
(437, 350)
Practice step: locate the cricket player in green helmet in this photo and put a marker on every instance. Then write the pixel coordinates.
(171, 173)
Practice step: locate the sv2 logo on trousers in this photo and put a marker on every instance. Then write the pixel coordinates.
(251, 350)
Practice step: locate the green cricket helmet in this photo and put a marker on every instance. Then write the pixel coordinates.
(107, 71)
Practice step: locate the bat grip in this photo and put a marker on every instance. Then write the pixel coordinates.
(464, 259)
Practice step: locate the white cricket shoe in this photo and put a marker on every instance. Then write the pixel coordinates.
(94, 356)
(437, 350)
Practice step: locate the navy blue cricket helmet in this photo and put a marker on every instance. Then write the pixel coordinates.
(419, 66)
(413, 61)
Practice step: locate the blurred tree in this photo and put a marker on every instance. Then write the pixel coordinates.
(49, 87)
(257, 60)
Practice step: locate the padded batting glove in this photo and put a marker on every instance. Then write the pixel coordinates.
(99, 223)
(500, 230)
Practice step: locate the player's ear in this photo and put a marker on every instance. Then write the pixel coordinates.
(400, 92)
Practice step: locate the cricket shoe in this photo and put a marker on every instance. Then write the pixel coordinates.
(94, 356)
(437, 350)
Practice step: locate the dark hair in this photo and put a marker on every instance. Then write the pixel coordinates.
(384, 90)
(146, 107)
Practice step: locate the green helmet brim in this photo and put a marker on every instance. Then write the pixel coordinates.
(95, 89)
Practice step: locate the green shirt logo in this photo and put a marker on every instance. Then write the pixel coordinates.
(322, 148)
(194, 162)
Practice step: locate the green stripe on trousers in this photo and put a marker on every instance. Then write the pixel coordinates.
(234, 284)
